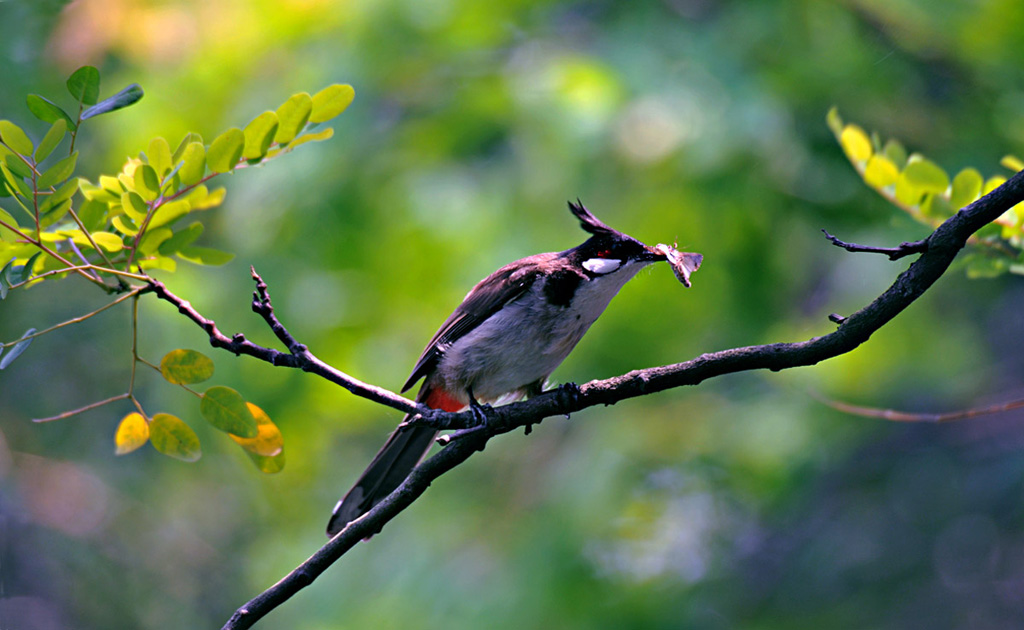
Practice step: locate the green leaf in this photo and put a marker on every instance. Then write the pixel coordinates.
(134, 206)
(292, 117)
(185, 367)
(205, 256)
(926, 175)
(59, 172)
(834, 121)
(24, 272)
(15, 183)
(159, 156)
(5, 234)
(856, 143)
(152, 240)
(895, 152)
(66, 191)
(132, 433)
(181, 239)
(966, 187)
(17, 349)
(13, 136)
(146, 182)
(51, 139)
(55, 214)
(174, 438)
(128, 96)
(47, 111)
(983, 266)
(225, 409)
(331, 101)
(84, 85)
(193, 166)
(187, 140)
(226, 150)
(936, 206)
(93, 214)
(259, 134)
(880, 171)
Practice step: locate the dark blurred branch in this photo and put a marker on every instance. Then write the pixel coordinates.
(937, 251)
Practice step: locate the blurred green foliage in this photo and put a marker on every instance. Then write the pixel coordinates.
(741, 503)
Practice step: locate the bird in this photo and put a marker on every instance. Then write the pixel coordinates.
(506, 337)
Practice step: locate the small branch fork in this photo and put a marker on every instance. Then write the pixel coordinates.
(937, 252)
(894, 253)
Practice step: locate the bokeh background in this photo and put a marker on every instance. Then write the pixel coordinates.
(742, 503)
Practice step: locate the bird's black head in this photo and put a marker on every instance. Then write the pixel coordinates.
(608, 249)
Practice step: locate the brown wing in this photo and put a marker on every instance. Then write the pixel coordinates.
(484, 300)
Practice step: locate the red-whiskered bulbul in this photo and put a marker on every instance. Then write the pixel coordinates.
(510, 332)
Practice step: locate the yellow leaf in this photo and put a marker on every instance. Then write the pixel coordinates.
(268, 441)
(856, 143)
(880, 172)
(132, 432)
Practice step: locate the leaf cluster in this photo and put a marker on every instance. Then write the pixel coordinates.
(145, 217)
(930, 195)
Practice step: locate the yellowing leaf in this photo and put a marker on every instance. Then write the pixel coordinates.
(226, 150)
(108, 241)
(132, 433)
(331, 101)
(268, 442)
(185, 367)
(324, 134)
(856, 143)
(292, 117)
(225, 409)
(174, 438)
(205, 256)
(1012, 162)
(880, 172)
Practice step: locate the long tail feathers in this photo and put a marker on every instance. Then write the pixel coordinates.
(399, 455)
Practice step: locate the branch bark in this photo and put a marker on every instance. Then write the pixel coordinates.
(937, 252)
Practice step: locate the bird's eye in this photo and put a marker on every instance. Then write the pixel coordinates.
(601, 266)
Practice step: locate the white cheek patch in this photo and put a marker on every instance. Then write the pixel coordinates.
(601, 266)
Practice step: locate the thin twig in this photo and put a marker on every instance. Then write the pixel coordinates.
(76, 320)
(75, 412)
(911, 416)
(905, 248)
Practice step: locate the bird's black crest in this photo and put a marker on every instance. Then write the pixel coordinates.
(589, 222)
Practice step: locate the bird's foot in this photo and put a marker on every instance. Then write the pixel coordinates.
(481, 414)
(569, 396)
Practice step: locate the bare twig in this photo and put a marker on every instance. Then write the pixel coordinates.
(937, 253)
(894, 415)
(894, 253)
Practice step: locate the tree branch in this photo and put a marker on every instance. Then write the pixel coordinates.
(937, 252)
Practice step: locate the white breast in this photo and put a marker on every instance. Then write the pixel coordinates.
(526, 340)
